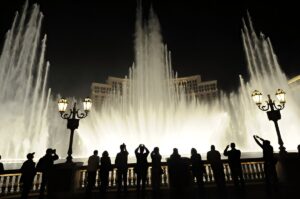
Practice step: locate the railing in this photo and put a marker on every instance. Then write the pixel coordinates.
(252, 172)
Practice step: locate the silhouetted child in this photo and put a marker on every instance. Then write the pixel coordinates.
(122, 167)
(27, 175)
(105, 167)
(214, 159)
(269, 162)
(141, 167)
(198, 168)
(1, 166)
(45, 165)
(234, 160)
(92, 167)
(156, 170)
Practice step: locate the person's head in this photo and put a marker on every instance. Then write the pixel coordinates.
(156, 150)
(96, 152)
(193, 151)
(30, 156)
(105, 154)
(142, 148)
(212, 147)
(297, 148)
(175, 151)
(122, 147)
(0, 157)
(266, 143)
(49, 151)
(232, 145)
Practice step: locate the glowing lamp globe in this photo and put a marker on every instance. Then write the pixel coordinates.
(280, 94)
(87, 104)
(257, 97)
(62, 105)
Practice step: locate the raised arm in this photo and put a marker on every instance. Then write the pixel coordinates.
(147, 151)
(226, 151)
(257, 141)
(136, 150)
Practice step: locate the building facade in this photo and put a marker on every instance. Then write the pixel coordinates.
(191, 85)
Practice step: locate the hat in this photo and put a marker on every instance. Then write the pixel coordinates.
(30, 155)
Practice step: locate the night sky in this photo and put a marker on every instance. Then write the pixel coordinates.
(89, 40)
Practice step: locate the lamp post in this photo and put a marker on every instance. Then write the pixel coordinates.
(73, 119)
(273, 112)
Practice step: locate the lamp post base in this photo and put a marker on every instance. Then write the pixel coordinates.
(64, 179)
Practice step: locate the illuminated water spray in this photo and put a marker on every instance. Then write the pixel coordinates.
(151, 110)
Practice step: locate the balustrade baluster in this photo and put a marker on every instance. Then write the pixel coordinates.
(129, 177)
(148, 181)
(16, 183)
(4, 184)
(253, 171)
(98, 178)
(210, 174)
(227, 172)
(10, 184)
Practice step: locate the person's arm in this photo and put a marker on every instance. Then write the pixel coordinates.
(147, 151)
(226, 151)
(136, 151)
(257, 141)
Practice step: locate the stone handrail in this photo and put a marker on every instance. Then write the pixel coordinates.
(252, 171)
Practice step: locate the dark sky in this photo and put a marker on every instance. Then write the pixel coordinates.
(90, 40)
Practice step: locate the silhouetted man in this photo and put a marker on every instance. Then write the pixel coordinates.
(105, 167)
(234, 160)
(269, 162)
(197, 168)
(214, 159)
(1, 166)
(27, 175)
(141, 167)
(45, 165)
(92, 167)
(156, 170)
(122, 167)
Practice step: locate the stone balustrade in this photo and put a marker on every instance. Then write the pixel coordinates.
(252, 171)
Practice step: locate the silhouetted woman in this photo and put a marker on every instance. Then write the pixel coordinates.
(105, 167)
(156, 171)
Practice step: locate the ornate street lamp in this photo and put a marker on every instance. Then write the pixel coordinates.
(73, 118)
(273, 111)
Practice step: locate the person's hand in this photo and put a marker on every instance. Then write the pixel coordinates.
(227, 146)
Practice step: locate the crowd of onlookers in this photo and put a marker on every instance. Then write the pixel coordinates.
(177, 168)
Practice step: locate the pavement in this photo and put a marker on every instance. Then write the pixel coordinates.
(251, 191)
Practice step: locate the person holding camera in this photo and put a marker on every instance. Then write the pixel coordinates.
(269, 162)
(141, 154)
(45, 165)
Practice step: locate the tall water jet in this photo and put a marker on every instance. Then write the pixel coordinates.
(151, 110)
(23, 92)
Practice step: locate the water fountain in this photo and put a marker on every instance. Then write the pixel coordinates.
(150, 111)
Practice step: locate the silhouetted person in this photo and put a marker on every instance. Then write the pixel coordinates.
(269, 162)
(297, 148)
(27, 175)
(156, 171)
(174, 163)
(198, 168)
(45, 165)
(214, 159)
(141, 167)
(105, 167)
(234, 160)
(1, 166)
(122, 167)
(92, 167)
(180, 176)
